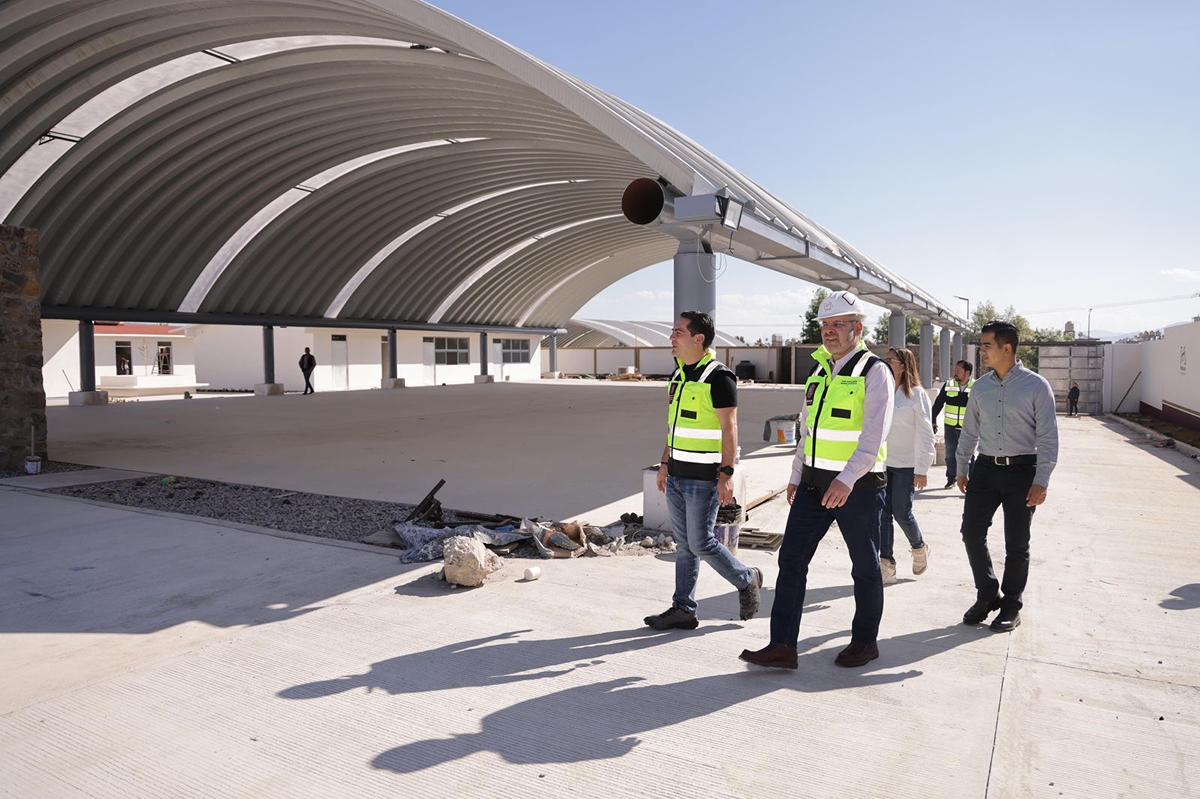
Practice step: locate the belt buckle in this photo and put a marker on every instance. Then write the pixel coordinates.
(1003, 460)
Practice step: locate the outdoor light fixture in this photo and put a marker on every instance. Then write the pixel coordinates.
(731, 212)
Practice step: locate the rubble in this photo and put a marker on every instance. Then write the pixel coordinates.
(468, 562)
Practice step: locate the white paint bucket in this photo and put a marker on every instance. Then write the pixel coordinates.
(783, 431)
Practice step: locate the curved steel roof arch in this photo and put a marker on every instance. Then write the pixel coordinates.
(135, 212)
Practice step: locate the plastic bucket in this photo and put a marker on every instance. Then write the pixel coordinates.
(728, 526)
(783, 431)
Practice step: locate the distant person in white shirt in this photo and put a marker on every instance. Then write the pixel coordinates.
(910, 454)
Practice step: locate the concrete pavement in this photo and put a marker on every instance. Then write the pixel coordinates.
(151, 656)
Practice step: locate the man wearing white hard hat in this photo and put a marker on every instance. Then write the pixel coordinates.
(838, 475)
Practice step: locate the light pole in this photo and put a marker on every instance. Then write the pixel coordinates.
(1089, 333)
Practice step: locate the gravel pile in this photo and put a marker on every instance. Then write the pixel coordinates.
(341, 518)
(47, 468)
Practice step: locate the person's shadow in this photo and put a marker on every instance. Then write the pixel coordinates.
(1185, 597)
(494, 660)
(602, 720)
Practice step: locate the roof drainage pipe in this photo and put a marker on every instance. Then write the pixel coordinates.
(648, 202)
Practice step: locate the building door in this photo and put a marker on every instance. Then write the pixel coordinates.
(339, 361)
(428, 359)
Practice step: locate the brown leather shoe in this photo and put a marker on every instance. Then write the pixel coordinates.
(857, 655)
(774, 656)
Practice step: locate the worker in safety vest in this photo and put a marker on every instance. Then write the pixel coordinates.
(696, 471)
(953, 397)
(838, 475)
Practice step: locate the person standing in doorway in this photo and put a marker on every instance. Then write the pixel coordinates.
(307, 364)
(1073, 400)
(696, 471)
(837, 475)
(910, 453)
(1011, 419)
(954, 396)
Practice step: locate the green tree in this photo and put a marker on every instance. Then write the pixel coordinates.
(812, 328)
(987, 312)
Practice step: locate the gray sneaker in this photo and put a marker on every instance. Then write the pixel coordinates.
(749, 597)
(674, 618)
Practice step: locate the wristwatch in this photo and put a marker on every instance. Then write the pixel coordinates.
(727, 470)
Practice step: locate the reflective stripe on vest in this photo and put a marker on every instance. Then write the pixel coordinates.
(837, 411)
(955, 415)
(693, 426)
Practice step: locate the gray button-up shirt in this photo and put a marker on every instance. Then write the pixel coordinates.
(1013, 416)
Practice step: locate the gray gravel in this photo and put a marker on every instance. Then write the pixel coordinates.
(47, 468)
(321, 515)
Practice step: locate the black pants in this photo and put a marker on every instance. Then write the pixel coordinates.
(991, 487)
(1073, 408)
(308, 389)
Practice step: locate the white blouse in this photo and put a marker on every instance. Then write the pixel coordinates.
(910, 441)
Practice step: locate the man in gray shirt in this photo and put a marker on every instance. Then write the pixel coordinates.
(1010, 416)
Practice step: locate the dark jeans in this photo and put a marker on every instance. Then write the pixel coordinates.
(991, 487)
(308, 389)
(898, 505)
(807, 524)
(1073, 407)
(952, 434)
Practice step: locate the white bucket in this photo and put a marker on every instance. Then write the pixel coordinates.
(783, 431)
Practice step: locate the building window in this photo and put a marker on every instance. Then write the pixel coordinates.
(451, 351)
(164, 363)
(514, 350)
(124, 357)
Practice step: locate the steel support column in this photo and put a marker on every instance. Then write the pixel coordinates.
(268, 341)
(945, 361)
(392, 353)
(554, 353)
(959, 346)
(87, 355)
(695, 278)
(483, 354)
(897, 328)
(926, 363)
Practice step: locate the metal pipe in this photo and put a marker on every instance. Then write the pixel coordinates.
(483, 353)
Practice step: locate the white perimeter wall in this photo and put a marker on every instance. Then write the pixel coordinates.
(1122, 362)
(230, 356)
(60, 357)
(1171, 368)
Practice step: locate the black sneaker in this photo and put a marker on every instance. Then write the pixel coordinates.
(949, 483)
(674, 618)
(1006, 621)
(748, 597)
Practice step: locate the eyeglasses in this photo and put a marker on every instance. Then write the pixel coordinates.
(837, 325)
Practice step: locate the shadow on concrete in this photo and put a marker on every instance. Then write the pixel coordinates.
(1186, 597)
(726, 605)
(494, 660)
(548, 729)
(1189, 467)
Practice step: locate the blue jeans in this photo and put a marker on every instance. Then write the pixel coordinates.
(693, 505)
(952, 448)
(898, 505)
(807, 524)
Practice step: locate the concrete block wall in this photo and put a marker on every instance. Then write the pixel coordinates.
(22, 395)
(1082, 364)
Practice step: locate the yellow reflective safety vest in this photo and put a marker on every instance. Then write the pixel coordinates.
(693, 427)
(836, 411)
(956, 409)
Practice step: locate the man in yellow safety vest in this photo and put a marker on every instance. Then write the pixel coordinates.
(696, 470)
(954, 396)
(838, 475)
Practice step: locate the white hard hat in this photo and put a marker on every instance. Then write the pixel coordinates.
(841, 303)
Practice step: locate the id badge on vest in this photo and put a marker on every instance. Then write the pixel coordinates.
(810, 394)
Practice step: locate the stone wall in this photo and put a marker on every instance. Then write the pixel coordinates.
(22, 400)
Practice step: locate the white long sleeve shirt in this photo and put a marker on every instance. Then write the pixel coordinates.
(910, 441)
(877, 412)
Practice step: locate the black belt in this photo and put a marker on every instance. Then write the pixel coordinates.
(1010, 460)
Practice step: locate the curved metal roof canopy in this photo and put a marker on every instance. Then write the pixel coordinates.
(610, 333)
(366, 161)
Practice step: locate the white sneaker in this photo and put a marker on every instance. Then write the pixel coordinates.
(921, 559)
(889, 571)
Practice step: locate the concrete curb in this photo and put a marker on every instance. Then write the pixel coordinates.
(223, 523)
(1154, 435)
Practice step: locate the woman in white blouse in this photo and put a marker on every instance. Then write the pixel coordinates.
(910, 453)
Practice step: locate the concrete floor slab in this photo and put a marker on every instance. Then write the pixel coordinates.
(559, 450)
(185, 663)
(50, 480)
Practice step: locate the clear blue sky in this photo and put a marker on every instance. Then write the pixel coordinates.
(1039, 154)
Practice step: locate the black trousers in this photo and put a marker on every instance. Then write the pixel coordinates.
(992, 487)
(308, 389)
(1073, 407)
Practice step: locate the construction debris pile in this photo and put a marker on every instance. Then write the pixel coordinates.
(424, 535)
